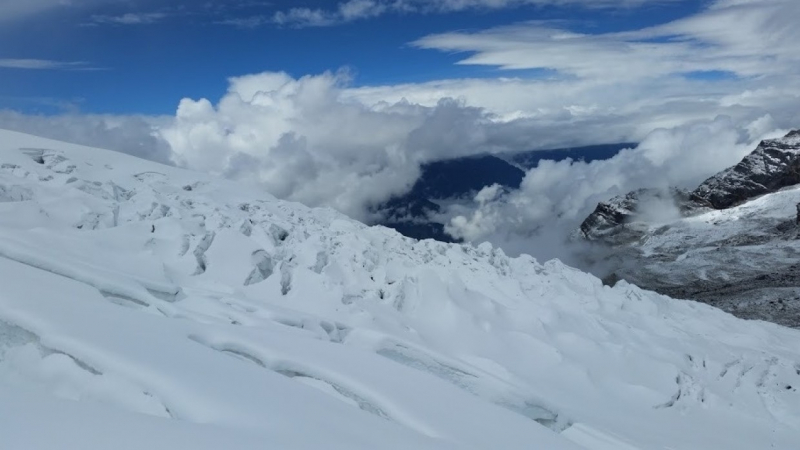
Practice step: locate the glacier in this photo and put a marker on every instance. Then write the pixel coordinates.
(143, 306)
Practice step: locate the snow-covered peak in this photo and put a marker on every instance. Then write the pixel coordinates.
(143, 306)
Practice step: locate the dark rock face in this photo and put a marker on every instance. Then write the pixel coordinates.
(775, 164)
(611, 214)
(797, 220)
(741, 255)
(613, 221)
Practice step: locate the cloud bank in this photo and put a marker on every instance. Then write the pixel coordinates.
(135, 135)
(318, 141)
(556, 197)
(306, 141)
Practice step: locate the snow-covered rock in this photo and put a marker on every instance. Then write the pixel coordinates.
(732, 242)
(147, 307)
(617, 220)
(774, 165)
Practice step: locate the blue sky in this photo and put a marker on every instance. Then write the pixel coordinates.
(181, 49)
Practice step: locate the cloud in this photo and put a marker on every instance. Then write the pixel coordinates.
(15, 9)
(245, 22)
(135, 135)
(353, 10)
(129, 18)
(304, 141)
(555, 197)
(113, 12)
(44, 64)
(746, 38)
(317, 140)
(12, 10)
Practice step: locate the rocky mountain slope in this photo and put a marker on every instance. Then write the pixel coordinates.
(775, 164)
(146, 307)
(734, 242)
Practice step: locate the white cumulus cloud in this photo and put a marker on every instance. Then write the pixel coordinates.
(305, 141)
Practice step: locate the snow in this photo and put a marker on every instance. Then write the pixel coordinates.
(730, 244)
(143, 306)
(715, 226)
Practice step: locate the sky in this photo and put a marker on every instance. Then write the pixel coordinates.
(338, 104)
(122, 57)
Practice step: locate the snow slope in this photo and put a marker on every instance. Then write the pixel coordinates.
(146, 307)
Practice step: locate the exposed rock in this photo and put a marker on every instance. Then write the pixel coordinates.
(614, 221)
(775, 164)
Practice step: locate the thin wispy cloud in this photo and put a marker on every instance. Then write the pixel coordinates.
(354, 10)
(246, 22)
(129, 18)
(345, 12)
(116, 12)
(45, 64)
(12, 10)
(745, 37)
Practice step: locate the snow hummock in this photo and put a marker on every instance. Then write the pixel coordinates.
(147, 307)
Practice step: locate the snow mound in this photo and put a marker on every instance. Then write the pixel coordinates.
(143, 306)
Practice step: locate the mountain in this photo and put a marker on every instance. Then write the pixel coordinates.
(413, 214)
(733, 242)
(144, 306)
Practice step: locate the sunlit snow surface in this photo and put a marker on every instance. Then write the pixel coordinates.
(145, 307)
